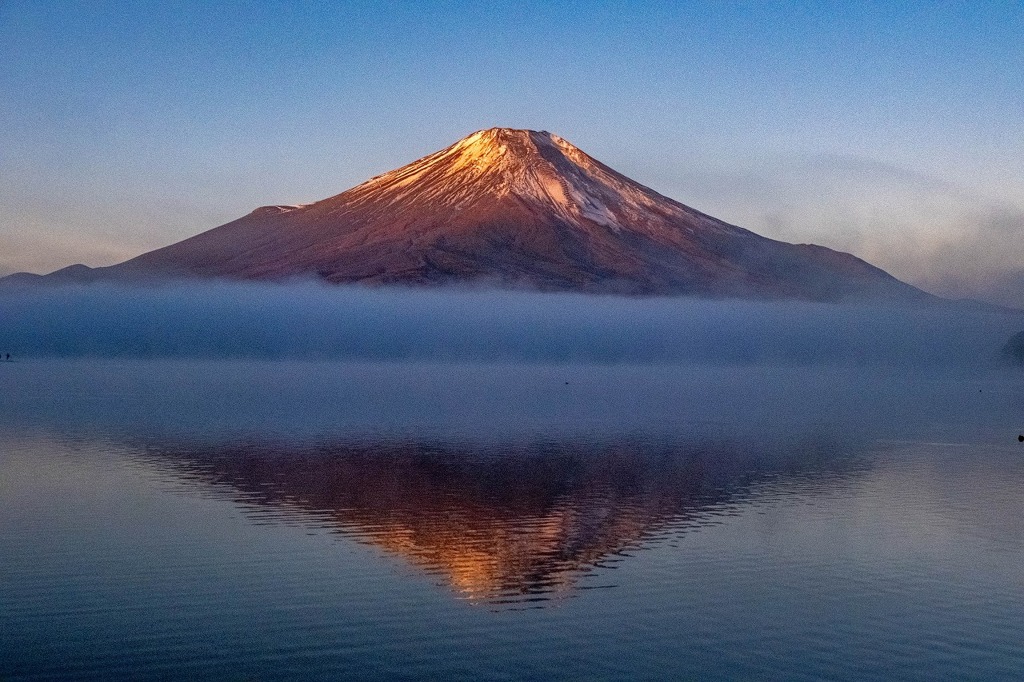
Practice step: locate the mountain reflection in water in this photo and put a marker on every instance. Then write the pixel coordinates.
(513, 523)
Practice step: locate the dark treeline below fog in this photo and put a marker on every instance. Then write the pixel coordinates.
(311, 321)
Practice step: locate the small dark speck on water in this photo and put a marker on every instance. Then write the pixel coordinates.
(1020, 438)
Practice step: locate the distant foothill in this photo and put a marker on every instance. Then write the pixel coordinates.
(1014, 348)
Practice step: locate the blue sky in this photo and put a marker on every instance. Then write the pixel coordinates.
(894, 130)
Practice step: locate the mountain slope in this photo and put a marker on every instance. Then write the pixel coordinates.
(515, 208)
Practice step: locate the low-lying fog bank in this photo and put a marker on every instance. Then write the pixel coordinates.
(224, 320)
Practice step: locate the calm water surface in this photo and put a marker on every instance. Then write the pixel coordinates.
(246, 520)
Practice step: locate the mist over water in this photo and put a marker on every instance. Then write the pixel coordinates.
(313, 321)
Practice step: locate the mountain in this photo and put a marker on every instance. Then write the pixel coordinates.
(516, 208)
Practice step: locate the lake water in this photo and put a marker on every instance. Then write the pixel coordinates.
(318, 520)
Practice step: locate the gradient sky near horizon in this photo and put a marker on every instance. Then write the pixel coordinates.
(891, 130)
